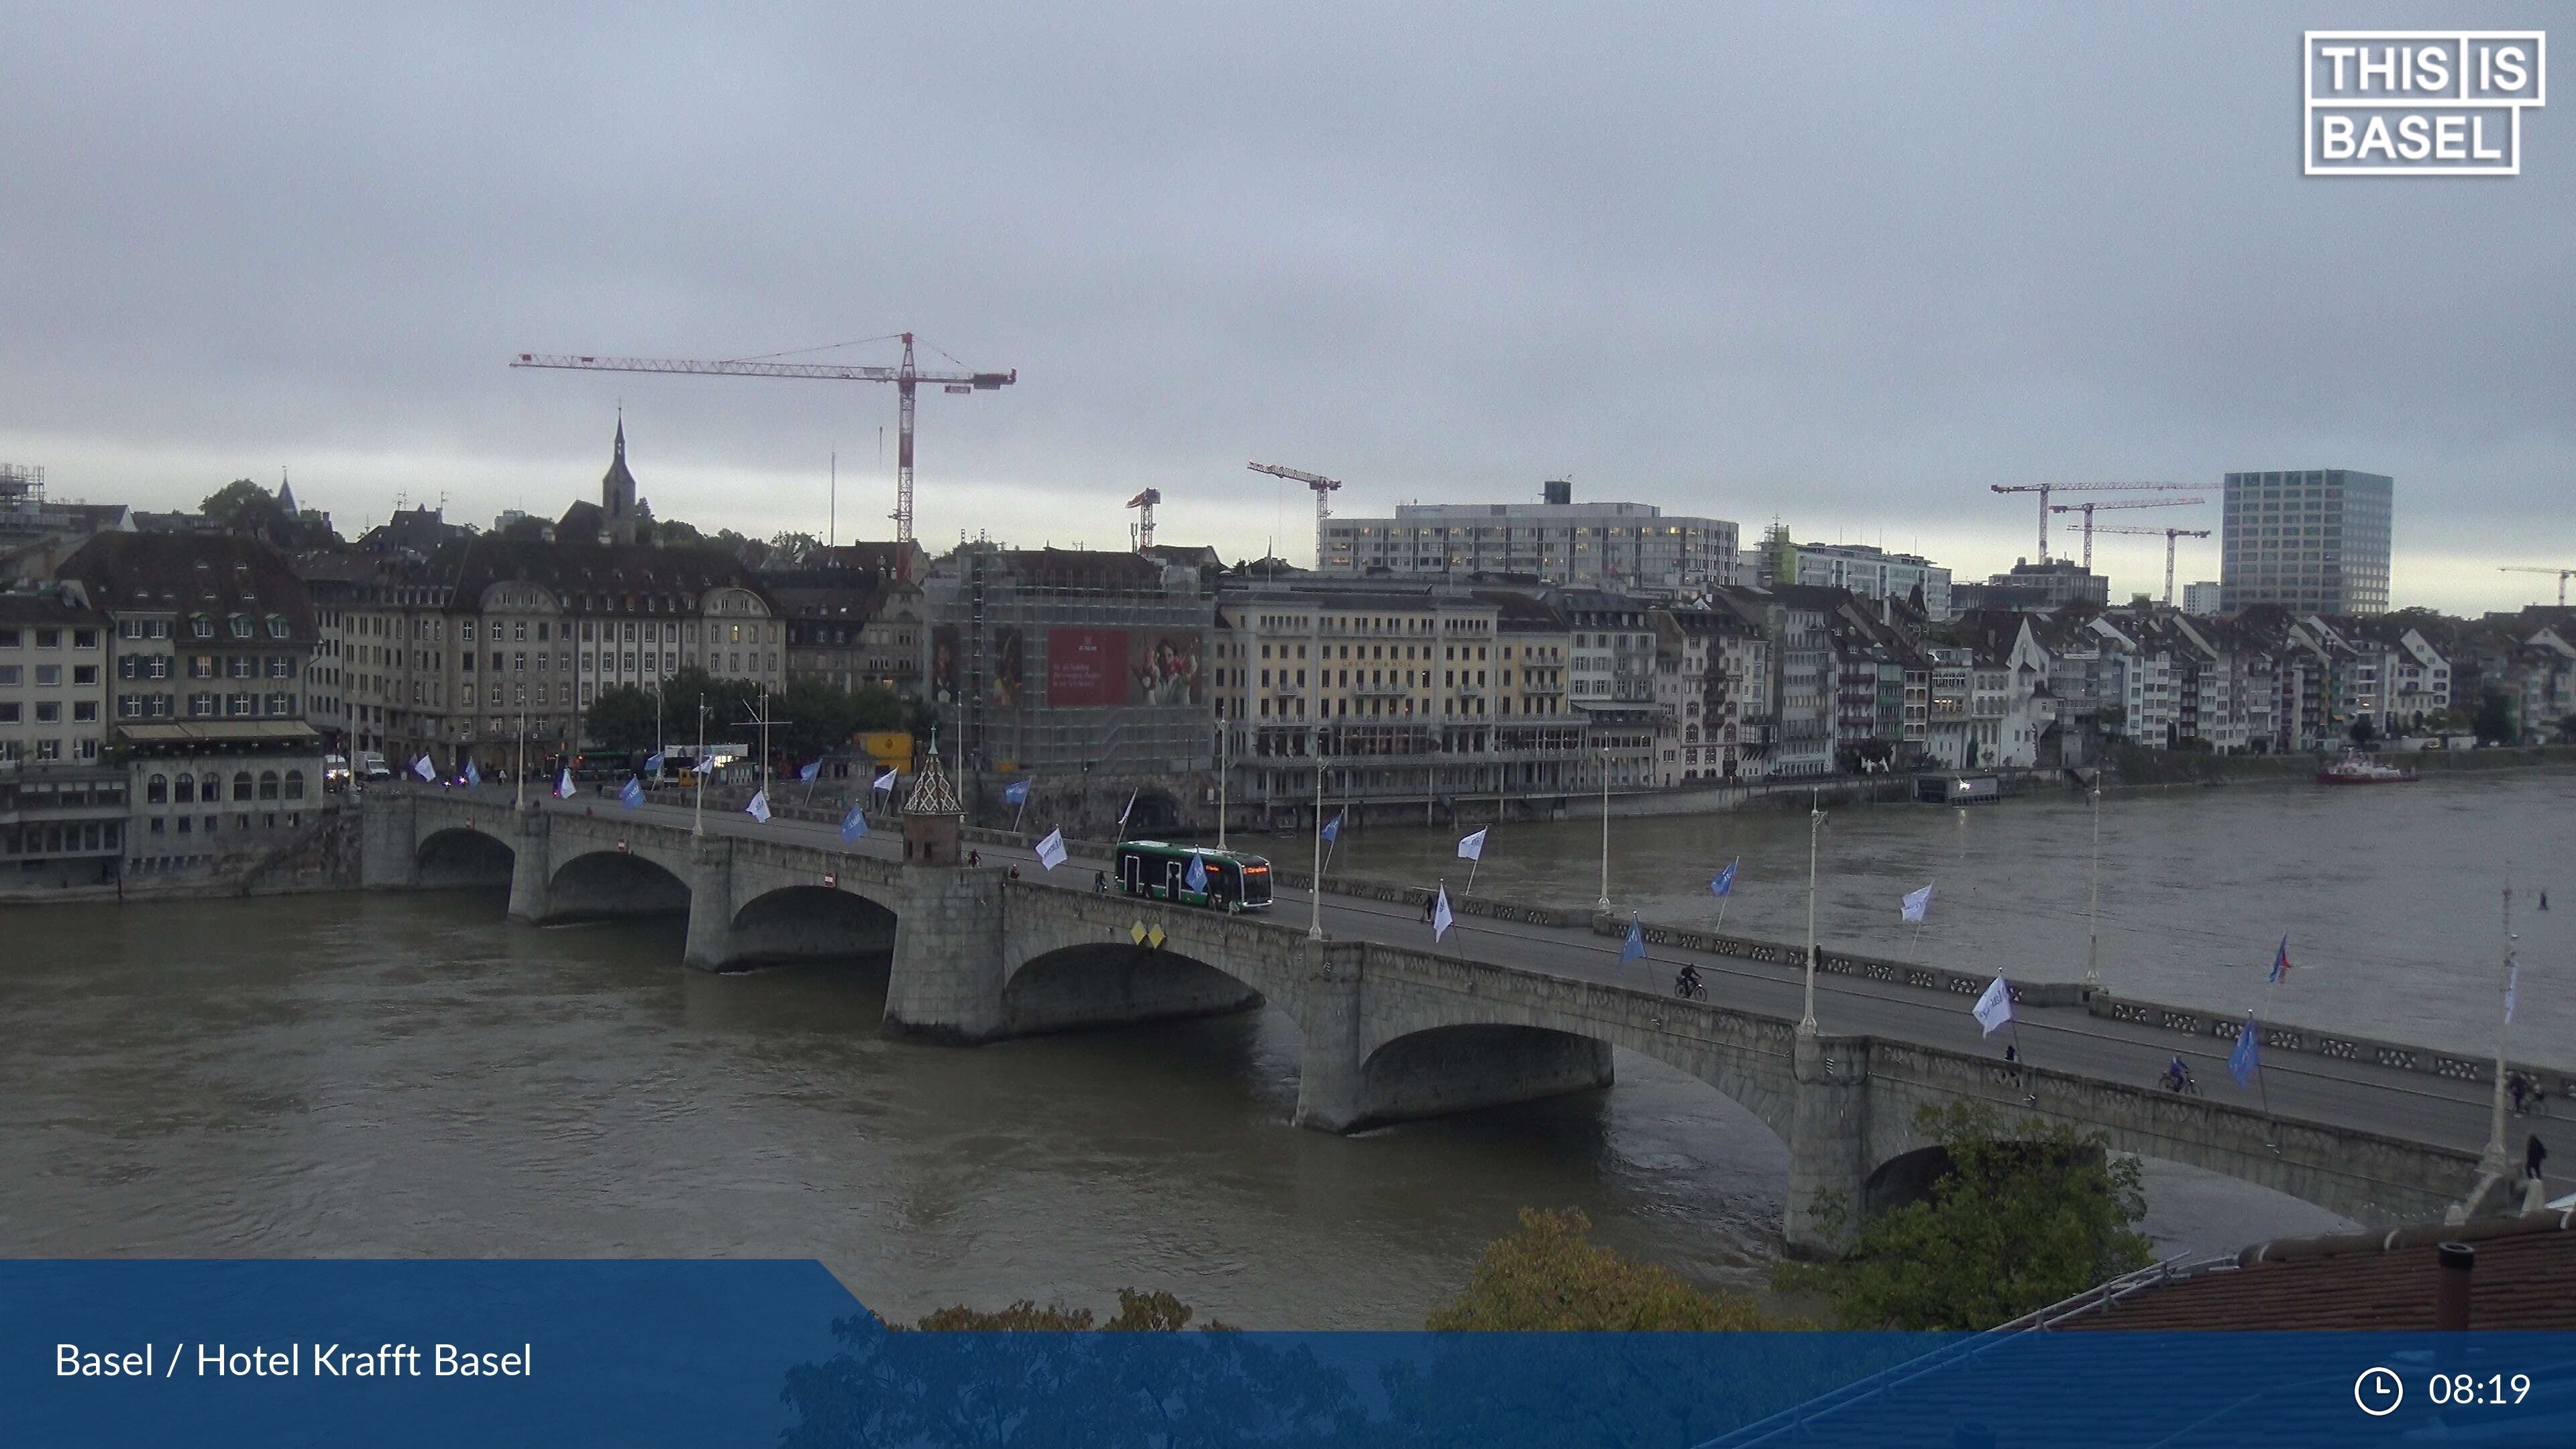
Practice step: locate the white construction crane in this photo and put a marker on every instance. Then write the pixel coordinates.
(904, 375)
(2045, 489)
(2170, 535)
(2563, 576)
(1323, 487)
(2087, 510)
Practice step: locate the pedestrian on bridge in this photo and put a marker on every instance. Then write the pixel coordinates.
(2533, 1154)
(1431, 902)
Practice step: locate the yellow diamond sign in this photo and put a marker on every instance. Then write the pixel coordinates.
(1136, 933)
(1155, 936)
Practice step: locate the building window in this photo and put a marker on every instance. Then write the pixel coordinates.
(295, 784)
(268, 784)
(242, 785)
(156, 791)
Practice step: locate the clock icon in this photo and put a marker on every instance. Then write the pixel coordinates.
(2378, 1391)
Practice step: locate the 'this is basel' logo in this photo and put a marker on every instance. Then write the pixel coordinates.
(2420, 102)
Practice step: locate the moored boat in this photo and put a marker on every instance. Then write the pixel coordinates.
(2361, 769)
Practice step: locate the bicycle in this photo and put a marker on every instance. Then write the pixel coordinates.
(2533, 1103)
(1690, 990)
(2187, 1087)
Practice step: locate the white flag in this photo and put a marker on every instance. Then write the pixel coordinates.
(563, 786)
(1441, 915)
(2512, 988)
(884, 781)
(758, 809)
(1472, 847)
(1051, 849)
(421, 768)
(1994, 1008)
(1918, 904)
(1131, 807)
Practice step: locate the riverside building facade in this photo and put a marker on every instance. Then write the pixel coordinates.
(1628, 547)
(2314, 542)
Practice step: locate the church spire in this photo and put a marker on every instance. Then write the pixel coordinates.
(617, 490)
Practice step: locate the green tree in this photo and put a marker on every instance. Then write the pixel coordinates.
(672, 533)
(2025, 1217)
(232, 498)
(2494, 723)
(621, 720)
(793, 544)
(1551, 1276)
(2364, 730)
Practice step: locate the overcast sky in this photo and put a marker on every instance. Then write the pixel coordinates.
(1843, 265)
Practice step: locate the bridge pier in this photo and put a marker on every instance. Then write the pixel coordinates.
(1828, 1143)
(945, 984)
(532, 869)
(388, 836)
(1329, 1086)
(711, 942)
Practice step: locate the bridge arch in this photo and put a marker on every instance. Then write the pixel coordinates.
(605, 883)
(807, 922)
(1116, 983)
(461, 857)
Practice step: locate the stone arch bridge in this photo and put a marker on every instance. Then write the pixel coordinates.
(1389, 1031)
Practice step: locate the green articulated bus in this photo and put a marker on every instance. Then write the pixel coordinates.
(1160, 872)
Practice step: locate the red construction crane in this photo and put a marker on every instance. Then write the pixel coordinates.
(2044, 489)
(1323, 487)
(904, 376)
(2563, 576)
(2170, 535)
(2087, 510)
(1144, 503)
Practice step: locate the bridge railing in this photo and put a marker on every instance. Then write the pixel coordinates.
(2223, 1030)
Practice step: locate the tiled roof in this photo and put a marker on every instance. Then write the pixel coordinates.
(191, 573)
(2525, 1279)
(46, 608)
(596, 577)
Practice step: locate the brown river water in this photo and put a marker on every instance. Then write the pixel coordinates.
(357, 1075)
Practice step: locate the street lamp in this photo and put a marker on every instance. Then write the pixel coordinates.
(1315, 895)
(2093, 931)
(1603, 905)
(1815, 829)
(2493, 1161)
(698, 817)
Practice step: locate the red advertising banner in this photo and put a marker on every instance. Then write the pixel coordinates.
(1086, 667)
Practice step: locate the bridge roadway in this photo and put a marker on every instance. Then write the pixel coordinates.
(2447, 1117)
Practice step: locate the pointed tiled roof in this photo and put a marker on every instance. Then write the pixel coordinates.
(931, 792)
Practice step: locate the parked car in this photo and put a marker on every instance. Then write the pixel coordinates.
(372, 766)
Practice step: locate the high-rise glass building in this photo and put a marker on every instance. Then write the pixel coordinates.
(2314, 542)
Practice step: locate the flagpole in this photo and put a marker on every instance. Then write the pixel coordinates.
(519, 777)
(1223, 730)
(698, 817)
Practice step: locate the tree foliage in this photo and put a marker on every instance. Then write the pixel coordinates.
(232, 498)
(2494, 723)
(793, 545)
(1026, 1375)
(2364, 730)
(1551, 1276)
(816, 718)
(2025, 1217)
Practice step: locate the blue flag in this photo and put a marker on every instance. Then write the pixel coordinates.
(810, 771)
(1197, 878)
(1723, 883)
(633, 795)
(1333, 827)
(2247, 1059)
(854, 825)
(1635, 945)
(653, 763)
(1017, 792)
(2281, 961)
(473, 776)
